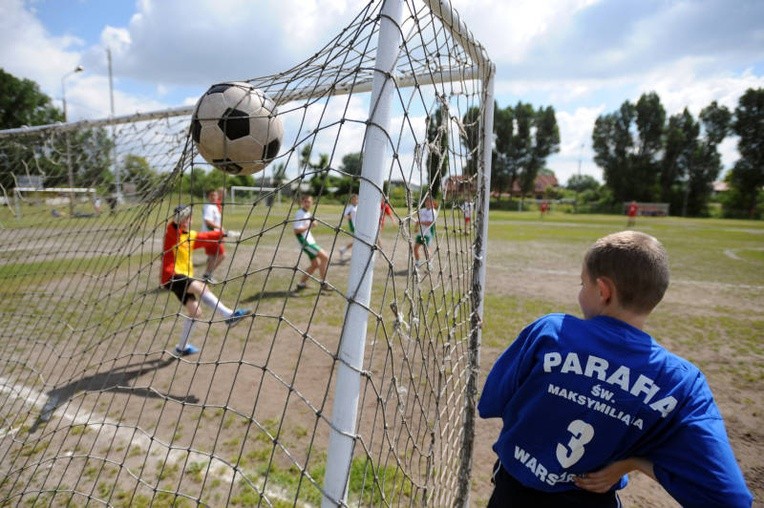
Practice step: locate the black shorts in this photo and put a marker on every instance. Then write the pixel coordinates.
(509, 492)
(179, 285)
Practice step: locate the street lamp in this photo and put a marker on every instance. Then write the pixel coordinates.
(77, 69)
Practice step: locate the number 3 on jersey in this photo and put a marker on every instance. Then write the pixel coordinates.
(582, 433)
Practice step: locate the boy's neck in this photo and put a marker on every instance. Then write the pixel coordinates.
(637, 320)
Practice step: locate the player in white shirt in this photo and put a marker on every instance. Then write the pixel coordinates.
(426, 218)
(303, 222)
(349, 215)
(212, 220)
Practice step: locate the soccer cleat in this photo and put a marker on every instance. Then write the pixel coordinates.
(236, 317)
(342, 254)
(190, 349)
(325, 286)
(300, 286)
(209, 279)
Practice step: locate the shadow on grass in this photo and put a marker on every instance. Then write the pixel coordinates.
(264, 295)
(116, 380)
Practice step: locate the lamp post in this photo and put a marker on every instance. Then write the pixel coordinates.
(117, 196)
(77, 69)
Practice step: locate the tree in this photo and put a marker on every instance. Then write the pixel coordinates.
(351, 164)
(627, 145)
(525, 138)
(681, 146)
(470, 137)
(279, 174)
(544, 141)
(747, 176)
(137, 171)
(691, 160)
(437, 149)
(706, 163)
(581, 183)
(22, 103)
(304, 163)
(91, 157)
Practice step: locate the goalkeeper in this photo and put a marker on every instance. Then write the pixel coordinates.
(178, 275)
(585, 401)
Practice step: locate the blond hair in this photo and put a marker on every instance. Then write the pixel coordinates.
(637, 264)
(181, 213)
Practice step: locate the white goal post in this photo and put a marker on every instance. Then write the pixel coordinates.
(357, 389)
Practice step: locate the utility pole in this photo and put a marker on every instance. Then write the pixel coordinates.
(117, 178)
(69, 171)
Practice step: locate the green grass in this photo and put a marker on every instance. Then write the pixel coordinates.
(717, 272)
(712, 316)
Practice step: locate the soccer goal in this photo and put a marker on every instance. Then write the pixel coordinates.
(357, 392)
(243, 194)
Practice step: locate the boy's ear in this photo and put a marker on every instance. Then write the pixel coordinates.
(606, 289)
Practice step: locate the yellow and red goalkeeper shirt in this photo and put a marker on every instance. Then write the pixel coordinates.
(178, 245)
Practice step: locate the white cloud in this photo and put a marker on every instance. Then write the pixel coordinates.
(583, 57)
(28, 51)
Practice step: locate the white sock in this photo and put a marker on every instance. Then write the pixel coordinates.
(211, 301)
(185, 334)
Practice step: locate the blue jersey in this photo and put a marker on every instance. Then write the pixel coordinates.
(575, 395)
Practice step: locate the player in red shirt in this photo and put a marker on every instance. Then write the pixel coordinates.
(631, 212)
(386, 211)
(178, 275)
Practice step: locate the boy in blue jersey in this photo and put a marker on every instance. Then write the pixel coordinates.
(585, 401)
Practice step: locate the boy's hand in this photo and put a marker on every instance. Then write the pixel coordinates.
(603, 480)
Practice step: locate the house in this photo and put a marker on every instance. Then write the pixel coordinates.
(541, 185)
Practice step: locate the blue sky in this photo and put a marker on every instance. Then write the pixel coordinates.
(583, 57)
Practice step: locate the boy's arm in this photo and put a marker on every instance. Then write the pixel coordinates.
(204, 238)
(694, 462)
(697, 466)
(303, 229)
(504, 377)
(211, 224)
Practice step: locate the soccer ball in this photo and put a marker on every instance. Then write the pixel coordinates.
(236, 128)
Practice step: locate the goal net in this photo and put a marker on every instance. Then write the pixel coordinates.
(361, 392)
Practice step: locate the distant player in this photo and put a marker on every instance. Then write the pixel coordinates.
(425, 220)
(178, 275)
(212, 220)
(349, 216)
(319, 260)
(585, 401)
(385, 212)
(631, 213)
(544, 208)
(467, 208)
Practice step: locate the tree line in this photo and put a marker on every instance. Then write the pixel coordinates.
(644, 154)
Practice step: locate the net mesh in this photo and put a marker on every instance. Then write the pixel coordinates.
(98, 407)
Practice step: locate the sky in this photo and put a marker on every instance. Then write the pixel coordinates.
(582, 57)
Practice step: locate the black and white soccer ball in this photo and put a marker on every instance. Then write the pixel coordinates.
(236, 128)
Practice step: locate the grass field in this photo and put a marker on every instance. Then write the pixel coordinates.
(712, 315)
